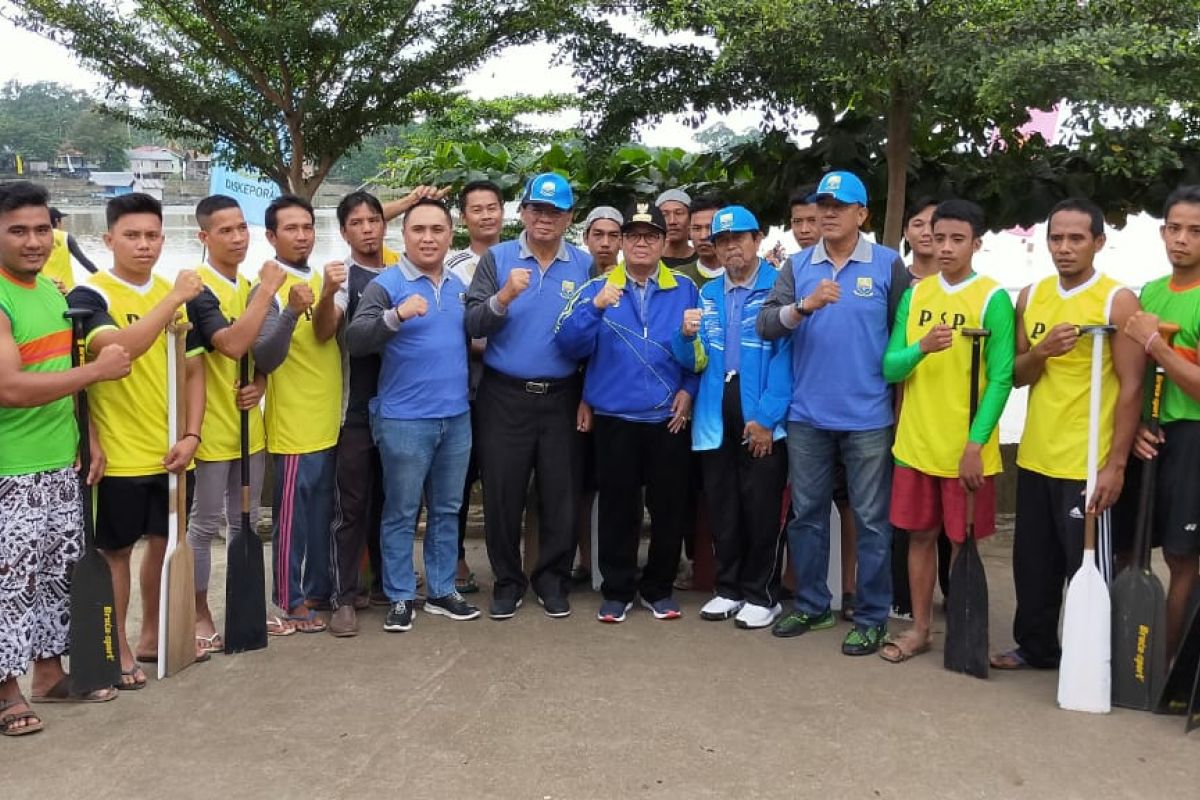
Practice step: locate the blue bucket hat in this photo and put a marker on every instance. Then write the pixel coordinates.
(845, 187)
(549, 188)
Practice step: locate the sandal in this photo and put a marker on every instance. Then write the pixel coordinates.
(278, 627)
(133, 674)
(315, 623)
(8, 722)
(894, 652)
(466, 585)
(210, 644)
(61, 693)
(1009, 660)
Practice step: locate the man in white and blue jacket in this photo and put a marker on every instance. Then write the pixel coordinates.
(641, 398)
(740, 412)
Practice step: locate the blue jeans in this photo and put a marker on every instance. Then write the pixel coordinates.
(303, 509)
(421, 457)
(812, 453)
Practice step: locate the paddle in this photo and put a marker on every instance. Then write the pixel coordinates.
(95, 663)
(177, 599)
(245, 593)
(1179, 693)
(1139, 658)
(1084, 673)
(967, 601)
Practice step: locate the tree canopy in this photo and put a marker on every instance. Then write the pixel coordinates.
(37, 120)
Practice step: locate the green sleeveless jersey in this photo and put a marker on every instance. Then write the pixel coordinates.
(1180, 305)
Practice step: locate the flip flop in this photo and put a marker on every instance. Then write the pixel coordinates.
(133, 673)
(277, 627)
(311, 616)
(211, 644)
(894, 653)
(61, 693)
(1009, 660)
(8, 721)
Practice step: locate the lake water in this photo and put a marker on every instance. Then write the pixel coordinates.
(1132, 255)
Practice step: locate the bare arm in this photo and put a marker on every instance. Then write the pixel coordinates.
(184, 449)
(1129, 362)
(1027, 368)
(20, 389)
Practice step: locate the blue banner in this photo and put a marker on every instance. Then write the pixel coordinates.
(253, 194)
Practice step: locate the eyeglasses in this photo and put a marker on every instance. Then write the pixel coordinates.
(543, 210)
(643, 238)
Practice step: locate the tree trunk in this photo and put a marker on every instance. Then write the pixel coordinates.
(899, 136)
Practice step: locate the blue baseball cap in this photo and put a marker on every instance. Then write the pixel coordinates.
(549, 188)
(733, 219)
(845, 187)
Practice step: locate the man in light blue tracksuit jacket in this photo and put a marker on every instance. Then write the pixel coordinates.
(740, 412)
(641, 398)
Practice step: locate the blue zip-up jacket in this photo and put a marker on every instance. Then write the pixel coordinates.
(631, 372)
(766, 366)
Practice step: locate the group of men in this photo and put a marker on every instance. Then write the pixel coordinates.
(668, 366)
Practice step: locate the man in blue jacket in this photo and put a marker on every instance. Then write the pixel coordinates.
(739, 416)
(836, 301)
(623, 323)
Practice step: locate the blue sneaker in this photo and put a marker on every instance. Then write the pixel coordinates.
(666, 608)
(613, 611)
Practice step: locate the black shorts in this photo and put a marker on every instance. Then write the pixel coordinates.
(1176, 498)
(132, 507)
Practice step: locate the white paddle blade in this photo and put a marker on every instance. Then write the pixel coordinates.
(1085, 674)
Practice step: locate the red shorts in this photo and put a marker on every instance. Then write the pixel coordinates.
(923, 502)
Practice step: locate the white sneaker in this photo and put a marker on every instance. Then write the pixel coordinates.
(752, 616)
(720, 608)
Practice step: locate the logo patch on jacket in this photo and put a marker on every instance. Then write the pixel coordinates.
(568, 289)
(864, 287)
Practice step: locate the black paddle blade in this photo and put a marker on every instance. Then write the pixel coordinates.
(967, 614)
(95, 658)
(1178, 690)
(245, 592)
(1139, 661)
(1193, 711)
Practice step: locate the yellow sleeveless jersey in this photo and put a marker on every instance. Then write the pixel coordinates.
(304, 393)
(935, 412)
(1056, 420)
(58, 265)
(131, 414)
(222, 431)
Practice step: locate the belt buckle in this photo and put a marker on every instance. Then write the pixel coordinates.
(537, 387)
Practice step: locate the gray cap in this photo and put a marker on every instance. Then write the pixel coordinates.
(678, 195)
(602, 212)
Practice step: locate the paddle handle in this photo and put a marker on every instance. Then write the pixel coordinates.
(977, 335)
(244, 380)
(1141, 542)
(179, 357)
(79, 318)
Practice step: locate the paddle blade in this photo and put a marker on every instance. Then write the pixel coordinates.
(245, 592)
(1085, 672)
(967, 614)
(95, 660)
(177, 638)
(1138, 639)
(1184, 669)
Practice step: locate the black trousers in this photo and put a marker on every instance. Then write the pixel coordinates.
(357, 511)
(472, 476)
(523, 433)
(744, 496)
(1047, 549)
(628, 456)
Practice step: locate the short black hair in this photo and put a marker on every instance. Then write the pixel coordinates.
(1083, 206)
(429, 201)
(211, 205)
(708, 202)
(352, 201)
(479, 186)
(22, 194)
(916, 207)
(1184, 194)
(271, 218)
(963, 211)
(801, 195)
(132, 203)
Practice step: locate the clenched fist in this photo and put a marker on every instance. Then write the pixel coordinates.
(187, 286)
(1059, 341)
(412, 306)
(335, 276)
(827, 292)
(939, 338)
(518, 282)
(112, 363)
(691, 321)
(608, 295)
(271, 276)
(300, 298)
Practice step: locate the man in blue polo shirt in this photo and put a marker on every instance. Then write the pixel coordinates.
(641, 398)
(412, 315)
(529, 396)
(836, 300)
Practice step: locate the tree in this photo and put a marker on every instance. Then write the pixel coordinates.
(101, 137)
(286, 87)
(943, 78)
(35, 118)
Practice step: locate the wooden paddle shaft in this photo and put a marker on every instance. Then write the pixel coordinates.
(179, 339)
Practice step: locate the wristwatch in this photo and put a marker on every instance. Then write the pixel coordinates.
(799, 304)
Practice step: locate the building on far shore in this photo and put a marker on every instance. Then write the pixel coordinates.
(115, 184)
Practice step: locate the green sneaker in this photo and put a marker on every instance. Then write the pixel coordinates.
(795, 623)
(862, 641)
